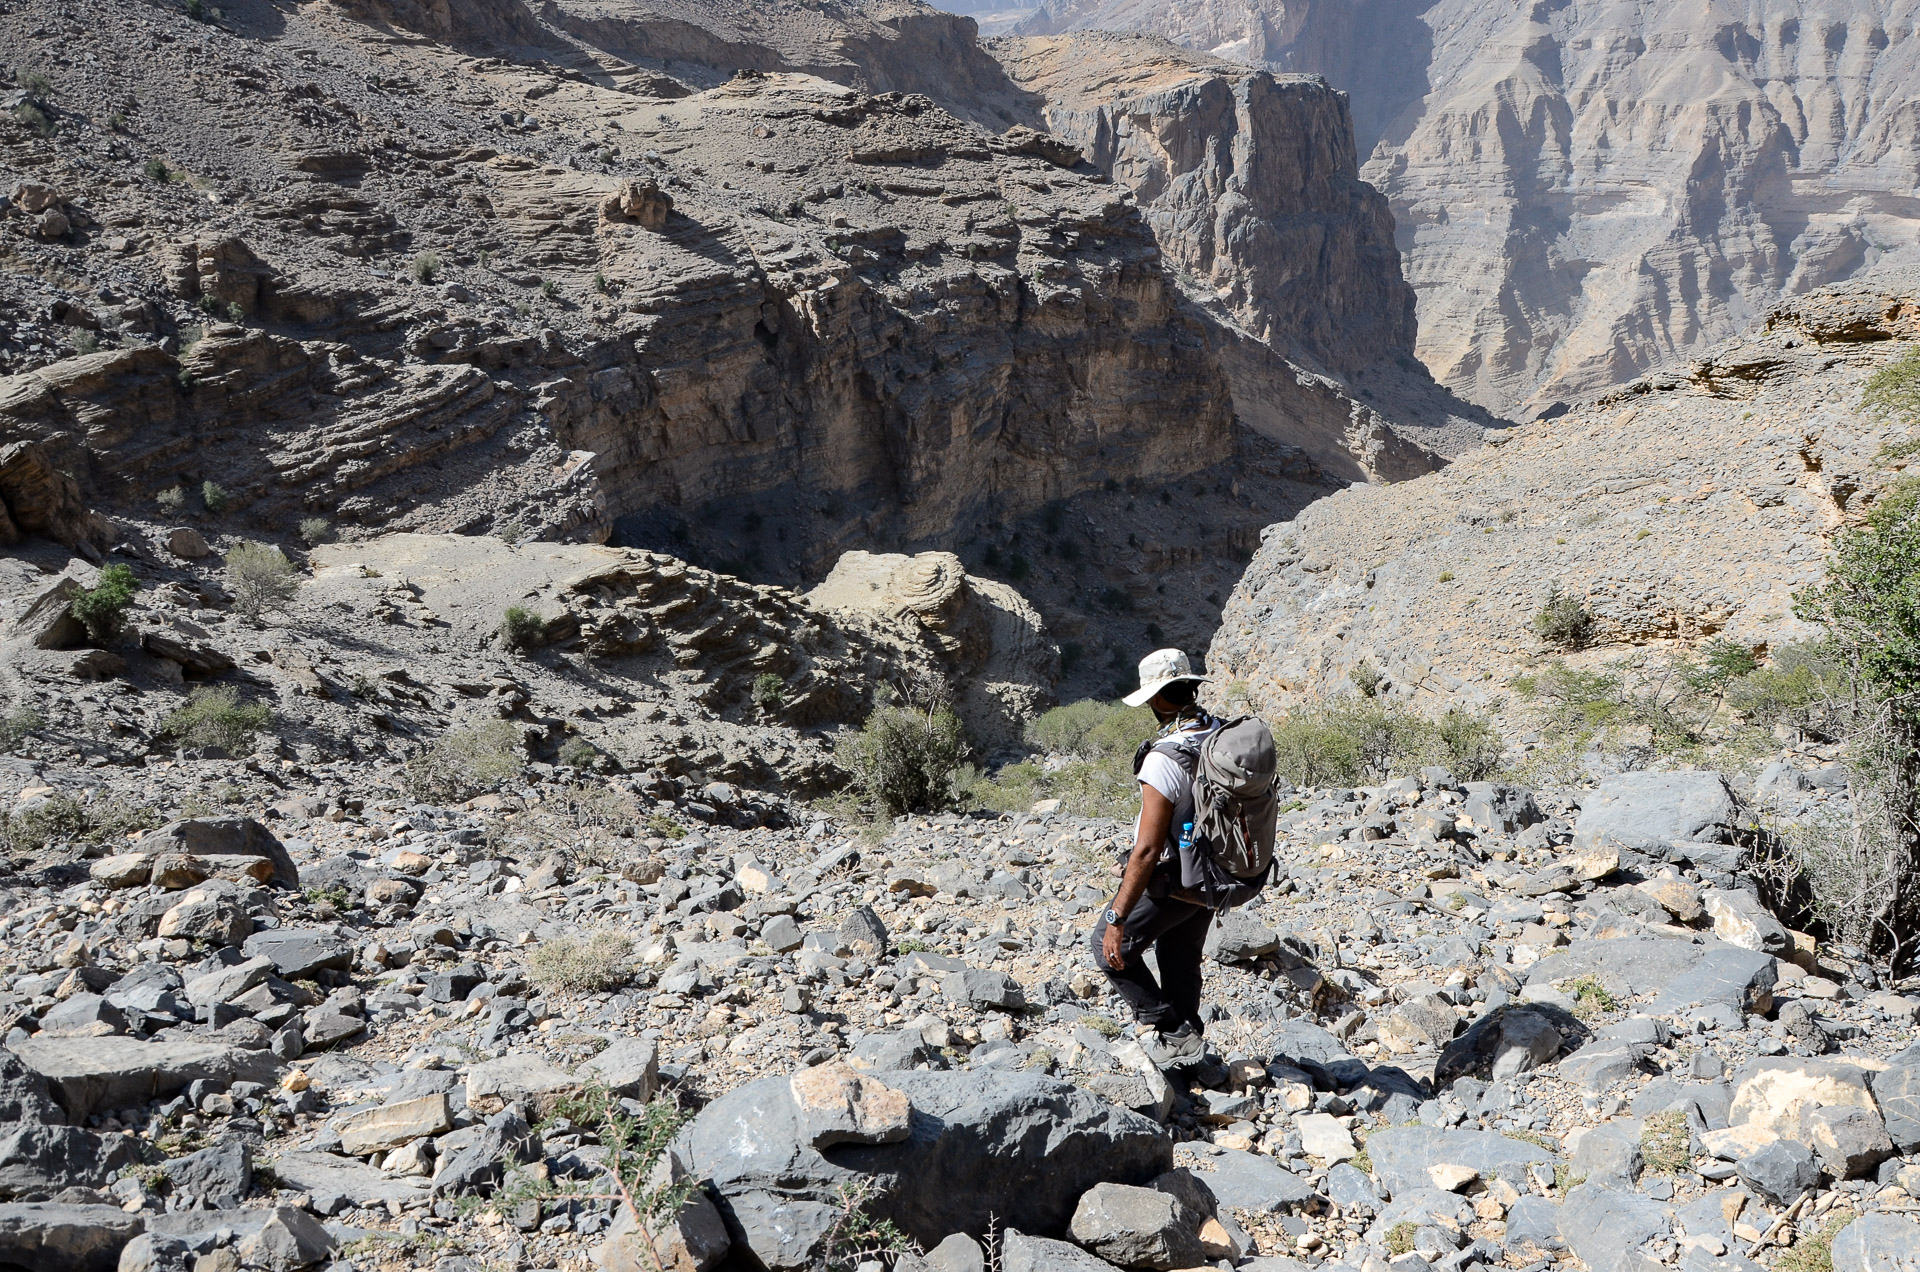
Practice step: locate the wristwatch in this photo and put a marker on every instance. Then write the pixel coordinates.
(1114, 920)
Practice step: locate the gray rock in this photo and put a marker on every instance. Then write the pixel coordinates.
(1427, 1022)
(864, 925)
(885, 1052)
(1740, 919)
(224, 837)
(1878, 1243)
(505, 1141)
(36, 1157)
(1781, 1171)
(1402, 1155)
(1851, 1142)
(1649, 812)
(290, 1239)
(781, 934)
(1534, 1221)
(1248, 1181)
(1137, 1227)
(1606, 1227)
(1603, 1062)
(83, 1016)
(629, 1067)
(1501, 1045)
(297, 953)
(1240, 938)
(1609, 1154)
(24, 1096)
(1682, 975)
(1897, 1088)
(1022, 1253)
(91, 1074)
(958, 1253)
(228, 983)
(325, 1175)
(219, 1177)
(1349, 1188)
(982, 989)
(49, 1237)
(1013, 1145)
(154, 988)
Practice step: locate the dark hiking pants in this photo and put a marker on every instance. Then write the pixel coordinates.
(1177, 933)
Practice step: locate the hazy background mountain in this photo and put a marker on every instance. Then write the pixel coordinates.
(1584, 190)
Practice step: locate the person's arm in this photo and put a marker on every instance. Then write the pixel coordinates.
(1156, 818)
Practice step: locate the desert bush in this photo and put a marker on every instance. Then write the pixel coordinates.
(520, 628)
(426, 267)
(1090, 729)
(905, 758)
(68, 819)
(769, 691)
(1791, 689)
(464, 762)
(36, 83)
(595, 964)
(578, 753)
(33, 119)
(1894, 388)
(213, 717)
(1094, 741)
(171, 500)
(1349, 741)
(260, 579)
(1859, 879)
(102, 608)
(1563, 620)
(17, 725)
(1366, 677)
(157, 170)
(213, 495)
(315, 531)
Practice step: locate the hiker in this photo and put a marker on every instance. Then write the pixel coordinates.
(1178, 877)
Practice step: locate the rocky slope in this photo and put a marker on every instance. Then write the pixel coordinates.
(1587, 190)
(1468, 1025)
(1684, 506)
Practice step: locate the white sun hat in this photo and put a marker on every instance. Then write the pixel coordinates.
(1158, 670)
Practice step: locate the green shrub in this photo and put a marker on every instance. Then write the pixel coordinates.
(905, 758)
(769, 690)
(67, 819)
(102, 608)
(18, 725)
(1563, 620)
(1400, 1238)
(1098, 739)
(1090, 729)
(260, 579)
(213, 717)
(520, 628)
(1666, 1143)
(1894, 388)
(1798, 678)
(36, 83)
(1352, 741)
(33, 119)
(213, 495)
(156, 170)
(171, 500)
(464, 762)
(578, 753)
(1591, 999)
(1366, 677)
(315, 531)
(426, 267)
(596, 964)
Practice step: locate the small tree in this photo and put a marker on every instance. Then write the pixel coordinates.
(213, 495)
(905, 757)
(315, 531)
(1563, 619)
(261, 579)
(520, 628)
(214, 717)
(102, 608)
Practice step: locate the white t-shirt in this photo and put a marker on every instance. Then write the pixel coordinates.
(1164, 774)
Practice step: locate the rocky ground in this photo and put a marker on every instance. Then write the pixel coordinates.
(1467, 1026)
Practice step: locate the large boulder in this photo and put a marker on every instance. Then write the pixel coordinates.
(43, 1159)
(1013, 1148)
(1651, 812)
(38, 498)
(1878, 1243)
(1679, 974)
(87, 1075)
(1404, 1156)
(223, 837)
(49, 1237)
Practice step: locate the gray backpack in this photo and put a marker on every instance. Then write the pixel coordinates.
(1235, 807)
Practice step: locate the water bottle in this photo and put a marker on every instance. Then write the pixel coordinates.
(1186, 835)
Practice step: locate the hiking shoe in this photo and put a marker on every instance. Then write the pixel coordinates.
(1177, 1050)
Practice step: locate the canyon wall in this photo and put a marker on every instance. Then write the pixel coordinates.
(1585, 190)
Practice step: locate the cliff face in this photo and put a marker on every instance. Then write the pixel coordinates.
(1587, 189)
(1684, 506)
(1250, 184)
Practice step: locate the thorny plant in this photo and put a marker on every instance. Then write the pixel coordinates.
(855, 1236)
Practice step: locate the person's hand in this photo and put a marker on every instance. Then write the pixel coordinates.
(1110, 947)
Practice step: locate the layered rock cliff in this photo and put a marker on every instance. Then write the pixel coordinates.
(1685, 506)
(1584, 190)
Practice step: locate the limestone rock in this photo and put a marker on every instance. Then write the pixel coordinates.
(1740, 919)
(640, 200)
(52, 1237)
(223, 836)
(1137, 1227)
(835, 1105)
(1878, 1243)
(390, 1126)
